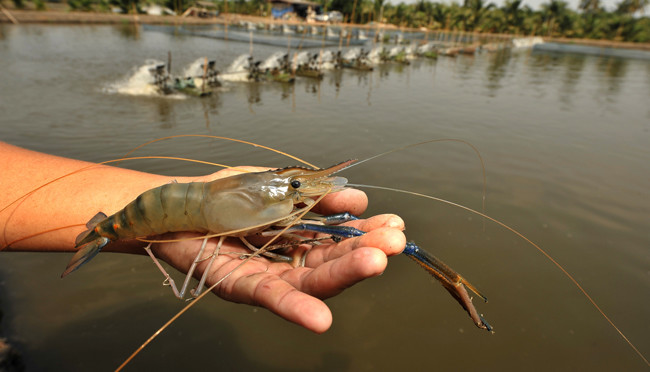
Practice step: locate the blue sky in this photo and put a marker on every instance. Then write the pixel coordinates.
(535, 4)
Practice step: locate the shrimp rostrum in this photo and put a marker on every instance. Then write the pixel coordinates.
(264, 210)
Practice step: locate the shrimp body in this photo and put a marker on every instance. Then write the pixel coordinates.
(242, 204)
(238, 206)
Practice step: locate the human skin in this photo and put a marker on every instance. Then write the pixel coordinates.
(294, 293)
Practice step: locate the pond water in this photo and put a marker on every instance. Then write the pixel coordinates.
(566, 144)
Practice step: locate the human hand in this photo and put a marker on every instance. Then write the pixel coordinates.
(296, 293)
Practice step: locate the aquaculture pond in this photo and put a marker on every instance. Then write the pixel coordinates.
(566, 144)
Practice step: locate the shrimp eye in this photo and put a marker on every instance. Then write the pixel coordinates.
(295, 184)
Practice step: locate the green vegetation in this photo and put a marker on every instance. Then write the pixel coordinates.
(591, 20)
(40, 5)
(81, 5)
(19, 4)
(627, 22)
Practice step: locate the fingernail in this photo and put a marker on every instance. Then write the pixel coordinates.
(395, 222)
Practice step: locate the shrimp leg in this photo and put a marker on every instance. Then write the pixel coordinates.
(275, 256)
(197, 291)
(168, 279)
(452, 281)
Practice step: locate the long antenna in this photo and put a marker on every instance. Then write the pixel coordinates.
(542, 251)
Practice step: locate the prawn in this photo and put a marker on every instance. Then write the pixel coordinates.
(411, 251)
(239, 206)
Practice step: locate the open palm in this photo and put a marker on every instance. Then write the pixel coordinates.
(295, 293)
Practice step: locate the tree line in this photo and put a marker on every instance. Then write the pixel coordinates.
(627, 22)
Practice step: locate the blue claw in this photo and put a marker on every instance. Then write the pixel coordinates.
(450, 279)
(336, 219)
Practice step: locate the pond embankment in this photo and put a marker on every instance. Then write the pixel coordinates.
(60, 15)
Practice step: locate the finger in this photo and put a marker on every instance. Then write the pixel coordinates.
(390, 241)
(348, 200)
(375, 222)
(270, 291)
(333, 277)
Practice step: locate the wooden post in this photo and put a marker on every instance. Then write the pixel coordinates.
(6, 13)
(354, 8)
(205, 74)
(169, 62)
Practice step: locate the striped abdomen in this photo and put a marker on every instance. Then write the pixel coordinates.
(168, 208)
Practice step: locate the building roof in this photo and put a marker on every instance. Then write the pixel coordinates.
(206, 4)
(295, 2)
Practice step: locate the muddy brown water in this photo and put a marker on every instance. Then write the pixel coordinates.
(565, 139)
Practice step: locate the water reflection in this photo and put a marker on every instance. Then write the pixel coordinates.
(420, 63)
(212, 103)
(400, 67)
(575, 65)
(130, 30)
(362, 77)
(613, 71)
(287, 90)
(169, 113)
(541, 71)
(335, 78)
(497, 70)
(384, 70)
(253, 94)
(465, 66)
(560, 174)
(312, 86)
(166, 115)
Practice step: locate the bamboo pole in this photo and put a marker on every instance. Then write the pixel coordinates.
(8, 14)
(205, 74)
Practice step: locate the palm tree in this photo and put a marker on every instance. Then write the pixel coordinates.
(589, 6)
(599, 27)
(495, 22)
(426, 8)
(475, 12)
(533, 22)
(379, 9)
(556, 14)
(554, 19)
(324, 4)
(455, 17)
(641, 31)
(632, 6)
(366, 11)
(439, 16)
(514, 16)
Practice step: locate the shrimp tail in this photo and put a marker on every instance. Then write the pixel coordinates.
(89, 243)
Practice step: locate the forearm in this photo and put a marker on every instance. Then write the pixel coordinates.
(79, 190)
(47, 200)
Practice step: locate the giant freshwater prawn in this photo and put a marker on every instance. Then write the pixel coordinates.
(271, 203)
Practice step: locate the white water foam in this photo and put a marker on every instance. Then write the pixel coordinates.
(237, 71)
(527, 42)
(352, 54)
(140, 82)
(373, 56)
(194, 68)
(272, 61)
